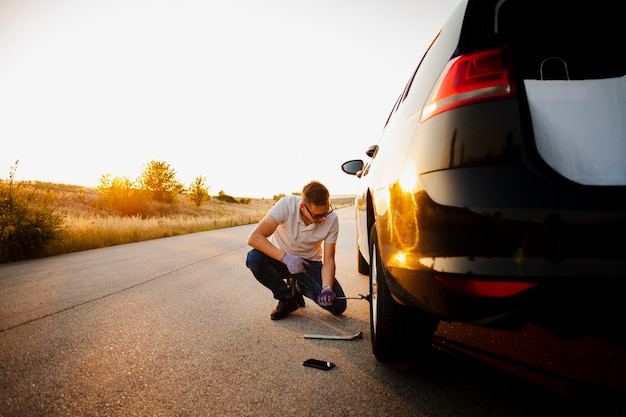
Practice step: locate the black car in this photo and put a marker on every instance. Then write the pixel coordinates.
(496, 195)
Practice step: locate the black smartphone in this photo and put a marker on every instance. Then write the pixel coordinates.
(316, 363)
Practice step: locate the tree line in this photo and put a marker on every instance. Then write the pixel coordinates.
(156, 183)
(29, 220)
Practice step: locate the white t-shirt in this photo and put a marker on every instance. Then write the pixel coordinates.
(294, 236)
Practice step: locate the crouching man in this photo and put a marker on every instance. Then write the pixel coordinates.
(297, 238)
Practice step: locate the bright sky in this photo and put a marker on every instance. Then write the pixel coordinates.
(258, 96)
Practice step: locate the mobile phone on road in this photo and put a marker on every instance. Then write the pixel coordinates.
(316, 363)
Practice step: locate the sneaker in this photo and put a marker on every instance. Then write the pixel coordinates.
(284, 307)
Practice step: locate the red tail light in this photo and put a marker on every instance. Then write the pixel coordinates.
(483, 288)
(470, 78)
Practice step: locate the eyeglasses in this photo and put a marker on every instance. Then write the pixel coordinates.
(318, 216)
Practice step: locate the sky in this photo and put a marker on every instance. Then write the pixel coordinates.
(258, 97)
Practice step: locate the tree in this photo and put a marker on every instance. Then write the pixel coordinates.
(159, 179)
(121, 195)
(28, 220)
(198, 191)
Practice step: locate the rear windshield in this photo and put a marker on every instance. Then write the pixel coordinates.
(553, 39)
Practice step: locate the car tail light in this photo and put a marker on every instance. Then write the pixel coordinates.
(483, 288)
(469, 78)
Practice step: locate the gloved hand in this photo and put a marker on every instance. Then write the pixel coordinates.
(326, 297)
(294, 264)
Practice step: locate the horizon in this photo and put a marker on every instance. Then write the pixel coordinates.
(94, 188)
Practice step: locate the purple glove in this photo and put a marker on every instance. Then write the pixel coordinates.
(326, 297)
(294, 264)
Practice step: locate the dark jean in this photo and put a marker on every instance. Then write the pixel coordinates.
(272, 274)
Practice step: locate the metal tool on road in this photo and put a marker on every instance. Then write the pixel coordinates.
(334, 336)
(360, 297)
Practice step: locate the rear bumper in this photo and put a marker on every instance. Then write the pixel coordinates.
(486, 225)
(552, 288)
(569, 307)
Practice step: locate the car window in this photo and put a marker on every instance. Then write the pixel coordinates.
(579, 41)
(434, 60)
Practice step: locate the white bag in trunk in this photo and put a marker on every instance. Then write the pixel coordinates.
(580, 128)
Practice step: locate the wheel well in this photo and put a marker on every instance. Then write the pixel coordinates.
(370, 217)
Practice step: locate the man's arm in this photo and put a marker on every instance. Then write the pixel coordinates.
(258, 238)
(328, 266)
(327, 295)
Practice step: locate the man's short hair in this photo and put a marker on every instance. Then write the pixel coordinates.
(315, 193)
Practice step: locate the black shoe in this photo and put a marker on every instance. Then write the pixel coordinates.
(284, 307)
(299, 299)
(300, 289)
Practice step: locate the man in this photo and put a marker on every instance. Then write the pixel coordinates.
(297, 239)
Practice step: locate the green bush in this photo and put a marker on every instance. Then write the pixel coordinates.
(28, 221)
(222, 196)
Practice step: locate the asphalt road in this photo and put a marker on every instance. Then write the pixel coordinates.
(179, 327)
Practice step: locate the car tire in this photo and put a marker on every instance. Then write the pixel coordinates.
(399, 334)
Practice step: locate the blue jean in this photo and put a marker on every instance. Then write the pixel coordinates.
(272, 274)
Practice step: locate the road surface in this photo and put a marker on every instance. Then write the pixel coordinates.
(179, 327)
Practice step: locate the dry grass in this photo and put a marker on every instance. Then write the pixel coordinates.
(86, 226)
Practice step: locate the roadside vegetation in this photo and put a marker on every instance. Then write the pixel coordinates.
(39, 219)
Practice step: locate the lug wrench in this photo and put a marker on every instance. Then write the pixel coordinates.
(358, 335)
(360, 297)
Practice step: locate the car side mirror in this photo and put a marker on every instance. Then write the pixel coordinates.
(353, 167)
(372, 151)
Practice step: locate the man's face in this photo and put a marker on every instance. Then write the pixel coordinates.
(317, 214)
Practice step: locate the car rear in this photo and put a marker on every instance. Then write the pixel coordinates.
(505, 198)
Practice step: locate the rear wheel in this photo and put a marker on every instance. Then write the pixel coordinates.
(400, 335)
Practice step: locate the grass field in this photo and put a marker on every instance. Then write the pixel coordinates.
(85, 226)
